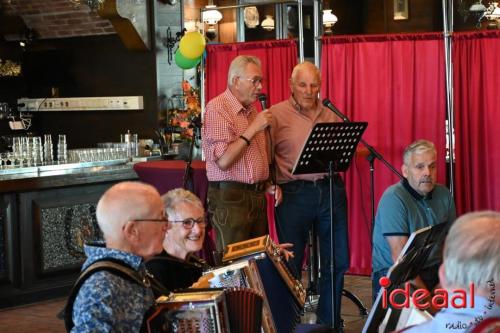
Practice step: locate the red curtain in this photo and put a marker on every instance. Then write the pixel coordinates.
(476, 72)
(278, 57)
(397, 84)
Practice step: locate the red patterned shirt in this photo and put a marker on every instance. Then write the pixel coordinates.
(225, 119)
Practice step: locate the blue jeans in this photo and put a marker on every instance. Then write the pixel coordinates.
(305, 203)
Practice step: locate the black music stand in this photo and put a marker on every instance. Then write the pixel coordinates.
(330, 148)
(421, 250)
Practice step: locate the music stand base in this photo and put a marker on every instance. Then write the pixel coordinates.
(312, 302)
(355, 299)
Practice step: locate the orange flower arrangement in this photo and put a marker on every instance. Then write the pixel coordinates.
(180, 118)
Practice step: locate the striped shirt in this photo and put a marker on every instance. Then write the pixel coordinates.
(225, 119)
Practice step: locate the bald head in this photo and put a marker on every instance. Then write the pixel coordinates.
(124, 202)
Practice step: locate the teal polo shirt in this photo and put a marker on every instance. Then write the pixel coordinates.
(401, 211)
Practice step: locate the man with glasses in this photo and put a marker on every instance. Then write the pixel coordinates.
(131, 218)
(234, 144)
(176, 267)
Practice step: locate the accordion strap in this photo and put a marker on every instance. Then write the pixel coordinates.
(113, 266)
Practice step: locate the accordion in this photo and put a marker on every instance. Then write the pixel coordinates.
(259, 265)
(190, 312)
(209, 311)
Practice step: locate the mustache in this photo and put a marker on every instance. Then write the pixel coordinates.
(426, 180)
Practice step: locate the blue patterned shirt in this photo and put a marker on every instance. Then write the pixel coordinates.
(109, 303)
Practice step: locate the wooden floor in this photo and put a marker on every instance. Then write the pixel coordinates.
(41, 317)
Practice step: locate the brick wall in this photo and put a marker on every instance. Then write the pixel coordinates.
(58, 18)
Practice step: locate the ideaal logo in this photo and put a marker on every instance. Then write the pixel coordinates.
(442, 298)
(422, 299)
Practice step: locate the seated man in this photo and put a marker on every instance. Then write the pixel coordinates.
(176, 267)
(471, 256)
(130, 216)
(414, 203)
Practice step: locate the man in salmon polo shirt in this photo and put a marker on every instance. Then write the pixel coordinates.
(235, 146)
(306, 198)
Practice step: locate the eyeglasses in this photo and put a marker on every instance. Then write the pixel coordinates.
(255, 81)
(162, 220)
(189, 222)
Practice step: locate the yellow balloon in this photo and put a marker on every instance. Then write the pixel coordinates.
(192, 45)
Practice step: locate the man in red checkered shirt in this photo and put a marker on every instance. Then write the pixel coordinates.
(235, 147)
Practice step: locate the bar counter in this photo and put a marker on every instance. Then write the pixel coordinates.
(45, 217)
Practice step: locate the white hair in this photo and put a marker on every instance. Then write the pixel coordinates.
(306, 65)
(472, 250)
(173, 197)
(238, 66)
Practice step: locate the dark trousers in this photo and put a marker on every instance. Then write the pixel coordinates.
(307, 203)
(375, 282)
(237, 214)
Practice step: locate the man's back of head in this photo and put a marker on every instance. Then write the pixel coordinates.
(472, 251)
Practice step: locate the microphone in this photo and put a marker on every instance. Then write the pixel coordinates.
(263, 101)
(328, 104)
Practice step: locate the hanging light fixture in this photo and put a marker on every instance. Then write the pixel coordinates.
(268, 23)
(329, 19)
(211, 16)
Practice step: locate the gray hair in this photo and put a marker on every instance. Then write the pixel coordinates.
(417, 147)
(306, 65)
(238, 66)
(173, 197)
(472, 250)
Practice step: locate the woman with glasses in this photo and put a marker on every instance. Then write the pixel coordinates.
(177, 267)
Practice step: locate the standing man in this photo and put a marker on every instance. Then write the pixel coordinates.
(234, 144)
(306, 198)
(412, 204)
(130, 216)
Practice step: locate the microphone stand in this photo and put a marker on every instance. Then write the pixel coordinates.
(374, 154)
(187, 179)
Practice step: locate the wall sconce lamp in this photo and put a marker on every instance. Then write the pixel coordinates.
(169, 42)
(211, 16)
(329, 19)
(268, 23)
